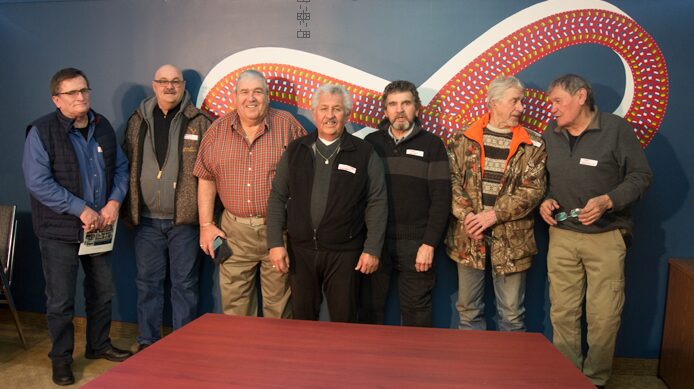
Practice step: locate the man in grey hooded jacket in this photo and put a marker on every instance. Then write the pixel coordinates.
(161, 141)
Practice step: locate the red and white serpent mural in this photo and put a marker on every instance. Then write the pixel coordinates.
(453, 97)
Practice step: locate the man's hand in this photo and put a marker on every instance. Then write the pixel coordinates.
(279, 258)
(425, 258)
(476, 224)
(466, 221)
(547, 209)
(594, 209)
(208, 234)
(367, 263)
(91, 220)
(109, 213)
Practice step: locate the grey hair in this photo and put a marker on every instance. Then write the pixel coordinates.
(251, 73)
(333, 89)
(500, 85)
(572, 83)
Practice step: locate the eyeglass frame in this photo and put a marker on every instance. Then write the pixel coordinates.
(73, 93)
(563, 216)
(175, 82)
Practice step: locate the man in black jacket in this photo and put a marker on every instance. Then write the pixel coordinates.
(330, 192)
(419, 197)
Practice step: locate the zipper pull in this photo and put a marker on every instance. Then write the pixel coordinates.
(159, 175)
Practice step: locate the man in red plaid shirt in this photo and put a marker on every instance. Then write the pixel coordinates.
(236, 161)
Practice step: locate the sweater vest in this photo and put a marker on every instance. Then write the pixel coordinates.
(342, 227)
(53, 131)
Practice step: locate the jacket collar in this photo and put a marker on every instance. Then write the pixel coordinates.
(187, 108)
(476, 133)
(66, 123)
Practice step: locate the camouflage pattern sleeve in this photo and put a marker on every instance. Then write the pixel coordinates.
(528, 184)
(461, 203)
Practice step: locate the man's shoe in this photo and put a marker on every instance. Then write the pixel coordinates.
(112, 354)
(142, 346)
(62, 374)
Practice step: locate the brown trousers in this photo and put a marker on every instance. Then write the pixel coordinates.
(589, 266)
(247, 239)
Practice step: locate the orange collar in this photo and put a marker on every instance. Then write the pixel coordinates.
(476, 130)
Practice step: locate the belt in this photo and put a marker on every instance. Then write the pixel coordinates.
(251, 221)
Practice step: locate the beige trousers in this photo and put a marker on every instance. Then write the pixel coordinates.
(247, 239)
(589, 266)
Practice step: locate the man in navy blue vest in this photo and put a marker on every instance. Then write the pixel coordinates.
(77, 176)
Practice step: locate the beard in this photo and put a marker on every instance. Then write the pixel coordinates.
(401, 125)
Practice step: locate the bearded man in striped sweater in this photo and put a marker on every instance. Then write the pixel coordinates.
(419, 197)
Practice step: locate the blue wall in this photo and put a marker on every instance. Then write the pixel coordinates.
(120, 43)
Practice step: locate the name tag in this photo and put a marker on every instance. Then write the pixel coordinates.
(191, 136)
(418, 153)
(347, 168)
(588, 162)
(98, 149)
(536, 143)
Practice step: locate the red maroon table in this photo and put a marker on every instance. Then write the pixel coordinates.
(221, 351)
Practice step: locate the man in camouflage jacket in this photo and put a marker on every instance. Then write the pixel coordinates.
(497, 178)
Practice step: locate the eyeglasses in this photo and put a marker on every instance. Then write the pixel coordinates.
(73, 93)
(174, 83)
(561, 216)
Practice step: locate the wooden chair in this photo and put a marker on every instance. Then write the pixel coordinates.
(8, 230)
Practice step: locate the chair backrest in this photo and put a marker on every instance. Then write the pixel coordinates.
(8, 225)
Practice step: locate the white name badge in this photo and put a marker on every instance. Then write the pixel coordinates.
(536, 143)
(418, 153)
(98, 149)
(347, 168)
(191, 136)
(588, 162)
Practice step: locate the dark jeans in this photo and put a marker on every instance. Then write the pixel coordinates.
(158, 242)
(415, 287)
(313, 272)
(60, 265)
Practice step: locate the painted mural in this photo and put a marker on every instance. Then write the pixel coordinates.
(453, 97)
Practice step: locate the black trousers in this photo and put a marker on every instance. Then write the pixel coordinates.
(313, 272)
(415, 287)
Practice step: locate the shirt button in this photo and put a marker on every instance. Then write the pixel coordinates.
(248, 184)
(248, 201)
(249, 169)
